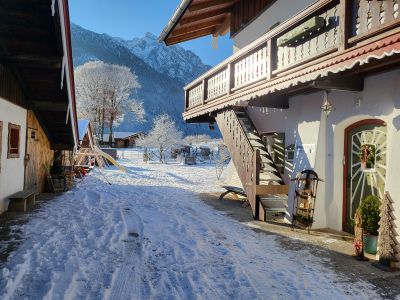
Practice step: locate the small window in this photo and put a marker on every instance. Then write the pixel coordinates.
(290, 153)
(13, 140)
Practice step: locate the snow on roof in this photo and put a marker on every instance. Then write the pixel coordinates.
(120, 135)
(82, 128)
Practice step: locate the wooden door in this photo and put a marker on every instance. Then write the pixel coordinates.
(32, 150)
(365, 165)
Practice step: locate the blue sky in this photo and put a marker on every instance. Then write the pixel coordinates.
(133, 18)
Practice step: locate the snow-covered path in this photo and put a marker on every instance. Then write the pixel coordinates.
(149, 236)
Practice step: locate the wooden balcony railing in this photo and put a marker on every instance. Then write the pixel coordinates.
(325, 28)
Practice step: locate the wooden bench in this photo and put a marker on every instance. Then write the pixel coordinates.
(232, 189)
(21, 201)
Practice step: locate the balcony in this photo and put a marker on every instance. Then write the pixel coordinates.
(330, 36)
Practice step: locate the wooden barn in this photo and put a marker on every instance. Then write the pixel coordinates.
(124, 139)
(86, 137)
(37, 101)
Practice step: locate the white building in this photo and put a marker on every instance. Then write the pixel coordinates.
(318, 82)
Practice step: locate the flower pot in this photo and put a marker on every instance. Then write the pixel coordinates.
(370, 243)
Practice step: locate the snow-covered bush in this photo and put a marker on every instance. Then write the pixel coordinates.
(162, 136)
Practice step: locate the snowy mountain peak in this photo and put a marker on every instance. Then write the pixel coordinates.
(173, 61)
(151, 36)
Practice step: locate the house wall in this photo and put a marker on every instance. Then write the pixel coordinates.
(305, 124)
(40, 153)
(280, 11)
(12, 169)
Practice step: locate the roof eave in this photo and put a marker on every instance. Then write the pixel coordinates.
(183, 6)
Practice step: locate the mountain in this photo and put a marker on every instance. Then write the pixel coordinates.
(162, 72)
(173, 61)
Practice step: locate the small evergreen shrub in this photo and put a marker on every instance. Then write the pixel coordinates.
(370, 214)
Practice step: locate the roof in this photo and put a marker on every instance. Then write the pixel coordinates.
(121, 135)
(197, 18)
(36, 46)
(83, 126)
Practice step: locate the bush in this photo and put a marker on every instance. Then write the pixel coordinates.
(370, 214)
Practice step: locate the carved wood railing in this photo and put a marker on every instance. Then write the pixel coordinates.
(372, 16)
(324, 28)
(244, 157)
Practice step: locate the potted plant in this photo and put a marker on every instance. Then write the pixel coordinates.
(303, 220)
(370, 222)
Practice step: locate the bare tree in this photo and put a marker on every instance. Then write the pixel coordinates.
(197, 139)
(105, 95)
(89, 86)
(121, 83)
(162, 136)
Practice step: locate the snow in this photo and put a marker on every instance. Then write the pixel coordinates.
(148, 235)
(82, 128)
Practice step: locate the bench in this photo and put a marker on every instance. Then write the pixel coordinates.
(21, 201)
(232, 189)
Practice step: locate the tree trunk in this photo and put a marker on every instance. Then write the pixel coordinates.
(111, 130)
(103, 117)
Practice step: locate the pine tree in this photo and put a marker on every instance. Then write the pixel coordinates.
(387, 239)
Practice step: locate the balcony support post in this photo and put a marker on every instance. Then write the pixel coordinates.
(205, 90)
(269, 59)
(345, 18)
(229, 79)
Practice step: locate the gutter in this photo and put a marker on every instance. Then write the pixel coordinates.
(183, 6)
(69, 71)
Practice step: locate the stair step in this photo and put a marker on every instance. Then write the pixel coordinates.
(256, 143)
(252, 136)
(268, 168)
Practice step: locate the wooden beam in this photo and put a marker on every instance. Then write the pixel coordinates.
(189, 36)
(205, 5)
(353, 84)
(271, 101)
(199, 26)
(203, 16)
(32, 60)
(50, 106)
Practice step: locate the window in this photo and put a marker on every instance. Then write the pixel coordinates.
(13, 140)
(290, 153)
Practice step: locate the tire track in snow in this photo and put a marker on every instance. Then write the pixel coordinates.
(126, 281)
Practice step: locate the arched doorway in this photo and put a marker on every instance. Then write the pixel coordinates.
(364, 171)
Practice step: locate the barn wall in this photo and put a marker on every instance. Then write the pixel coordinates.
(40, 156)
(12, 169)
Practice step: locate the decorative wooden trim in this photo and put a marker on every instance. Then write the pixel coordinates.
(13, 127)
(346, 160)
(371, 33)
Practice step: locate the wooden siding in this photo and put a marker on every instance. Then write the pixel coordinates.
(10, 89)
(245, 11)
(38, 157)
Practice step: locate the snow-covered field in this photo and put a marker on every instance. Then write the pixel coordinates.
(149, 236)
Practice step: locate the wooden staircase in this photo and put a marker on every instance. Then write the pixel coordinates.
(262, 182)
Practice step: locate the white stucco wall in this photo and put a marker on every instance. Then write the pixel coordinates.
(12, 170)
(280, 11)
(304, 123)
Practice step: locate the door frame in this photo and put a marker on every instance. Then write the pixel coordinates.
(377, 122)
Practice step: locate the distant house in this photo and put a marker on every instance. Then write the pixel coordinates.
(37, 101)
(86, 137)
(123, 139)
